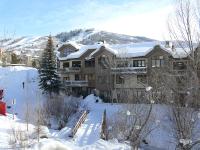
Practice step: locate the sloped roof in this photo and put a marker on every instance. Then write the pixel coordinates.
(127, 50)
(81, 51)
(72, 43)
(142, 49)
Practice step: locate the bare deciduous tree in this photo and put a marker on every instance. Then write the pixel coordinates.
(183, 86)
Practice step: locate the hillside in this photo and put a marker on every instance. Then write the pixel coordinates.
(91, 36)
(34, 45)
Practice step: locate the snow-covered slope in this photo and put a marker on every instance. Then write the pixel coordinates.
(91, 36)
(11, 79)
(35, 44)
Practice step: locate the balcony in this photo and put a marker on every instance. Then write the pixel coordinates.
(129, 70)
(179, 72)
(76, 83)
(69, 70)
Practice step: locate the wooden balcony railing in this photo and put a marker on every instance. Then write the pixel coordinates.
(130, 70)
(71, 69)
(76, 83)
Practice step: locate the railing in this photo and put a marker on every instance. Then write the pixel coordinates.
(135, 70)
(104, 133)
(179, 72)
(78, 83)
(71, 69)
(79, 123)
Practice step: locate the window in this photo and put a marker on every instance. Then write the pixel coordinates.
(76, 64)
(119, 79)
(158, 62)
(90, 63)
(142, 79)
(66, 52)
(66, 65)
(122, 64)
(66, 78)
(179, 66)
(91, 77)
(77, 77)
(103, 61)
(139, 63)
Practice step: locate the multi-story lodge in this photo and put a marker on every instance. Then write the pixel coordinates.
(116, 72)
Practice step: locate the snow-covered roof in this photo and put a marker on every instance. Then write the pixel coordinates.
(17, 52)
(142, 49)
(128, 50)
(81, 51)
(73, 43)
(133, 49)
(106, 47)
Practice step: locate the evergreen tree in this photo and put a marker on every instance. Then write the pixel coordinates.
(49, 79)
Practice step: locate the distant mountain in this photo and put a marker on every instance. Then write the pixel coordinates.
(91, 36)
(34, 45)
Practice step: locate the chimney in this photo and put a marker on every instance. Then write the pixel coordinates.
(173, 48)
(168, 44)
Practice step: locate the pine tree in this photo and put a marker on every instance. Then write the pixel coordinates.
(49, 79)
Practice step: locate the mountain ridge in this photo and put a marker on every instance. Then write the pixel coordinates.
(35, 44)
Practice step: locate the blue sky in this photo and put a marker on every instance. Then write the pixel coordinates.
(42, 17)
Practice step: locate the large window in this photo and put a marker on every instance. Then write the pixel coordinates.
(122, 64)
(76, 64)
(66, 65)
(119, 79)
(158, 62)
(90, 63)
(139, 63)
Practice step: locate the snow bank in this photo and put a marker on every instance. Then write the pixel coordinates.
(11, 79)
(50, 144)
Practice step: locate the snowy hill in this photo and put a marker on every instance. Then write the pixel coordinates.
(34, 45)
(91, 36)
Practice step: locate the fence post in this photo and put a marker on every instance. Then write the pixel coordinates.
(104, 127)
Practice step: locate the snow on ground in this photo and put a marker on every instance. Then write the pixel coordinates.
(87, 136)
(11, 79)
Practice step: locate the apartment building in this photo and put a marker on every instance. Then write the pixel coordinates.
(117, 72)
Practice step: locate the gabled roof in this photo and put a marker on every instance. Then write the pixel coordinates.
(106, 46)
(144, 48)
(81, 51)
(72, 43)
(126, 50)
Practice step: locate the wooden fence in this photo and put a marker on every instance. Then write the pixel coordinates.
(104, 133)
(79, 123)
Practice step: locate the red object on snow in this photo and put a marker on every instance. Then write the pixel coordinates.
(2, 108)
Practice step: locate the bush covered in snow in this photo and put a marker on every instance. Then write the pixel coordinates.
(60, 109)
